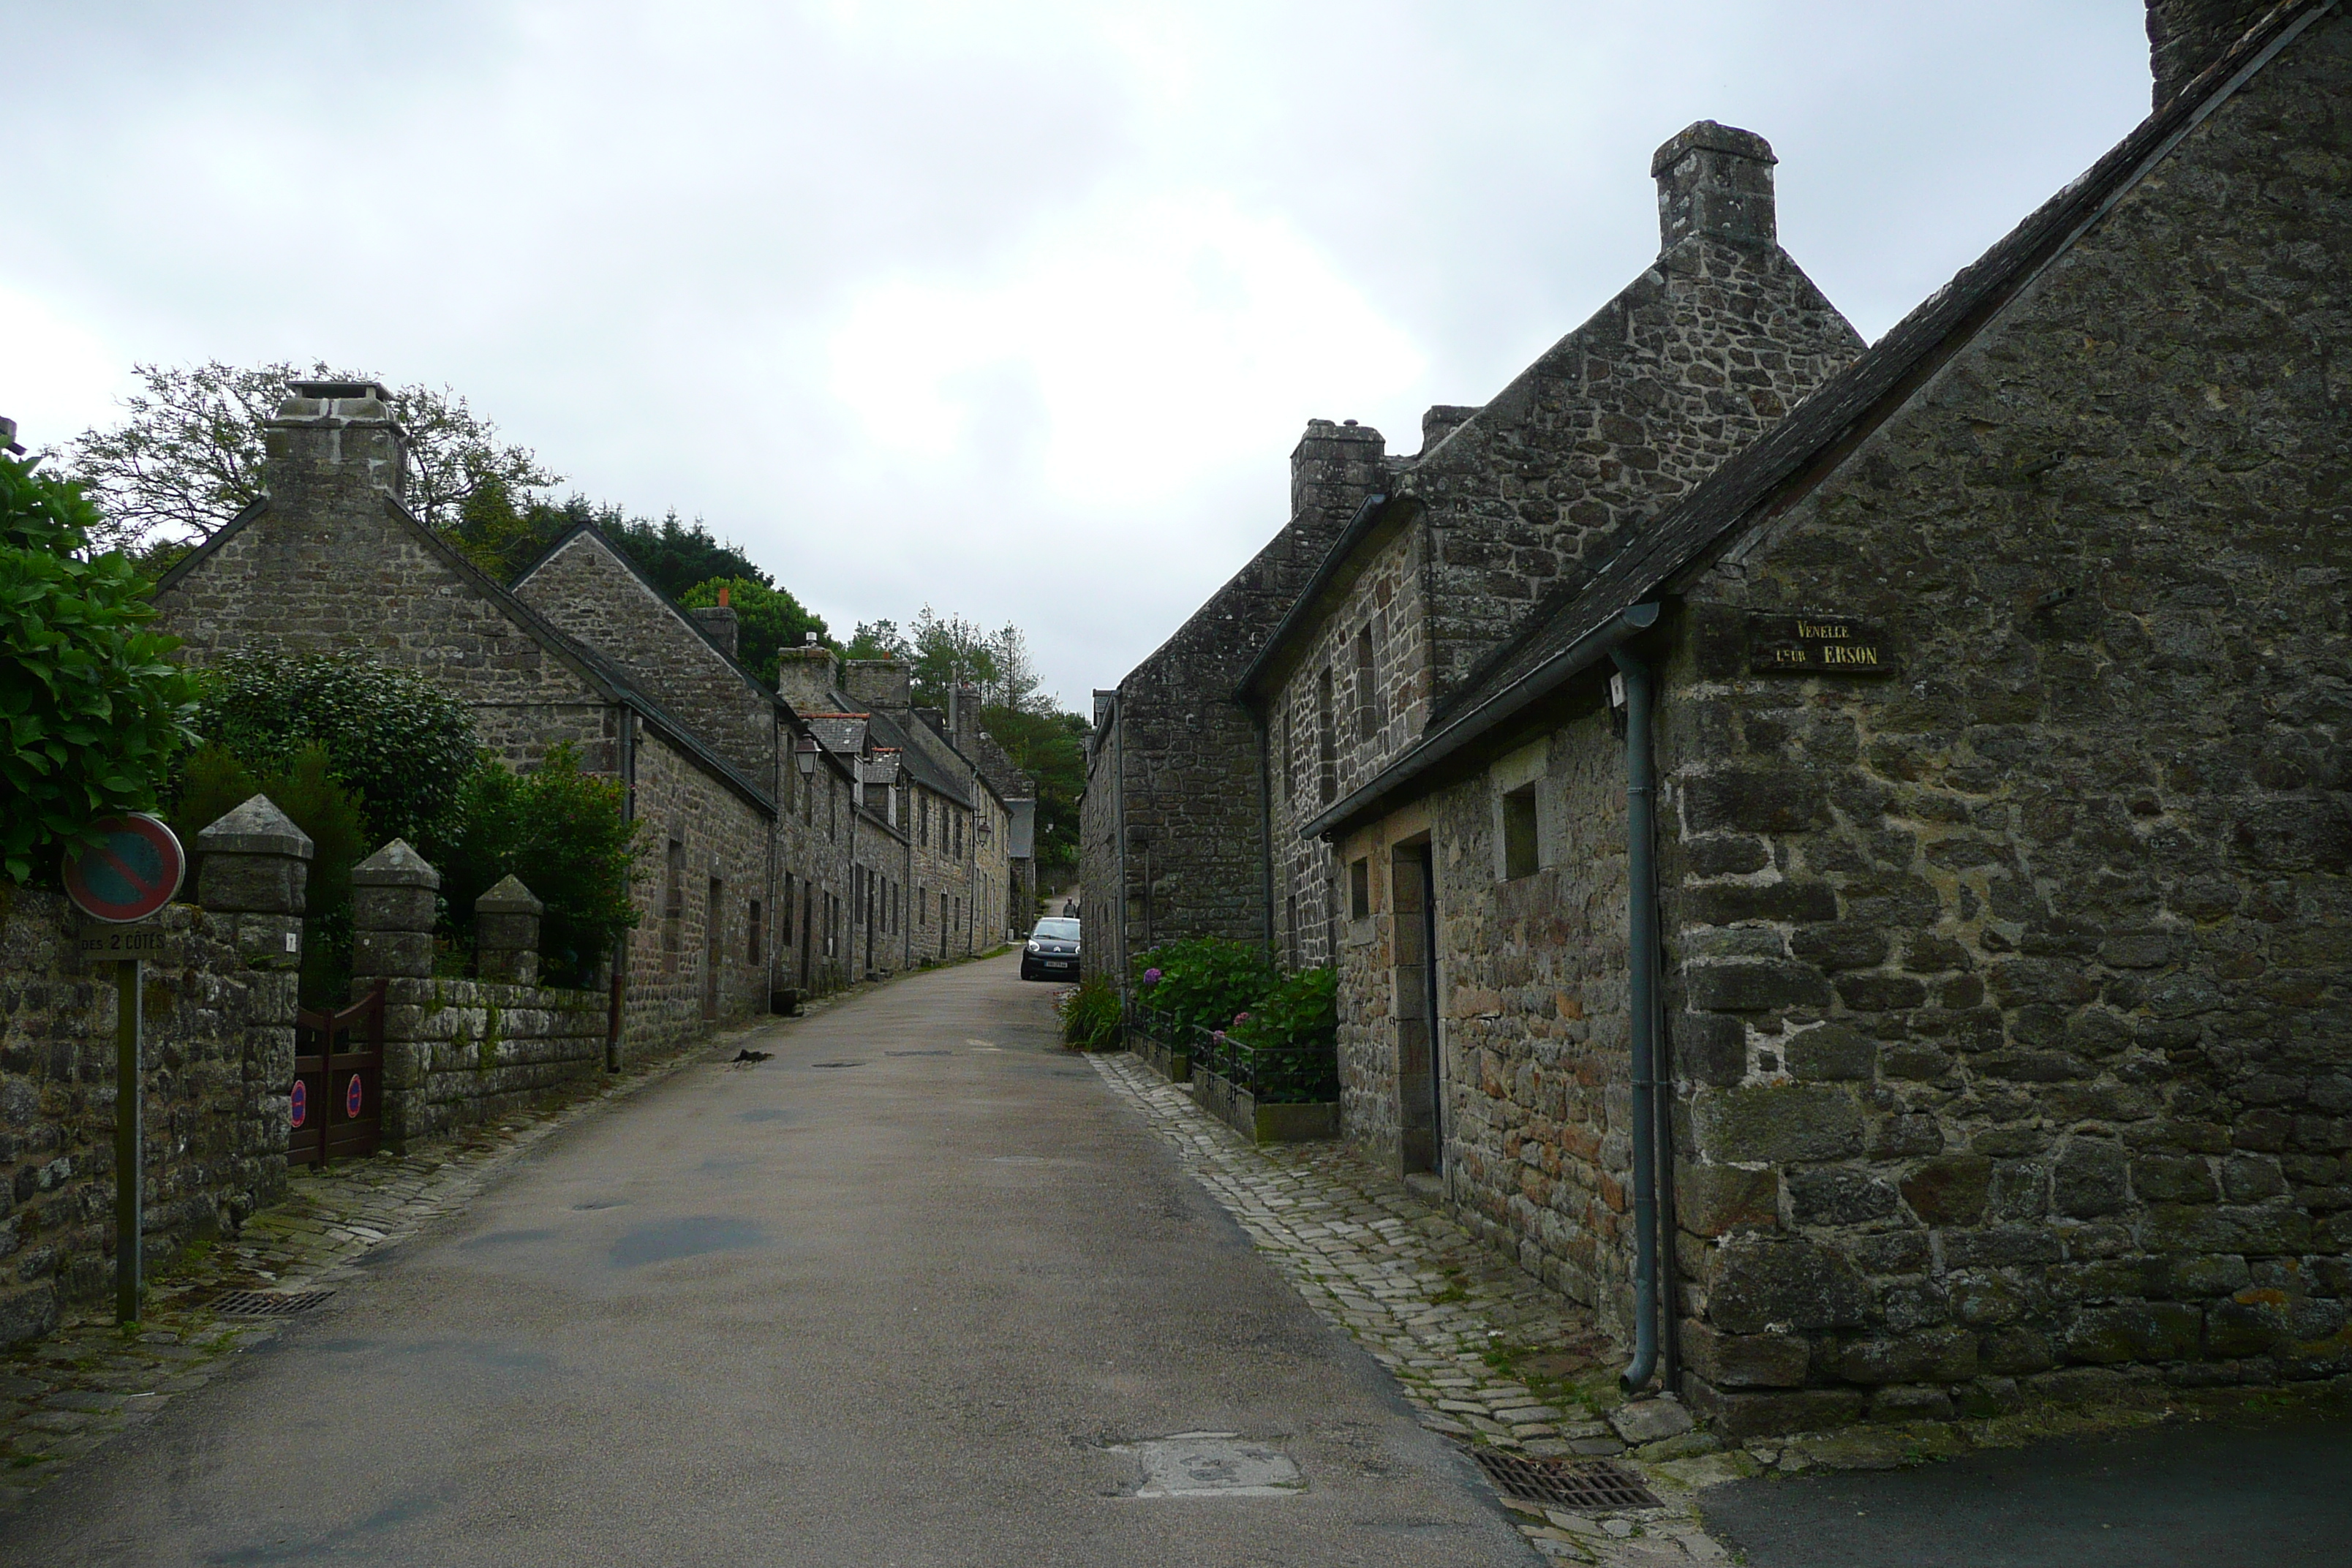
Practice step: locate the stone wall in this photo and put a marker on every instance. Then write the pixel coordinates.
(587, 590)
(219, 1057)
(2014, 1028)
(458, 1052)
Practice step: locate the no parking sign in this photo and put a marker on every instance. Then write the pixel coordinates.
(132, 871)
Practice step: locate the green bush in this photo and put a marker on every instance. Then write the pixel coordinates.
(1090, 1016)
(564, 832)
(216, 782)
(91, 710)
(1290, 1039)
(400, 742)
(1203, 980)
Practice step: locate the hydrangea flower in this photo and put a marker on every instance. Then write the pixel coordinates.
(1152, 977)
(1239, 1019)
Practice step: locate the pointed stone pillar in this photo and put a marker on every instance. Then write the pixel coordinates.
(253, 866)
(506, 933)
(392, 915)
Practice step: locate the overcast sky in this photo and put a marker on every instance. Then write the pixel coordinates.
(1015, 309)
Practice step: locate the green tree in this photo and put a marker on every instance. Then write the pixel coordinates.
(676, 556)
(401, 743)
(91, 710)
(768, 620)
(564, 834)
(189, 456)
(1051, 748)
(879, 639)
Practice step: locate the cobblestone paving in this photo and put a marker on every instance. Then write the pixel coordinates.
(66, 1396)
(1484, 1353)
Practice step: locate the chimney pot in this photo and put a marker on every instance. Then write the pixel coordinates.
(719, 623)
(1717, 181)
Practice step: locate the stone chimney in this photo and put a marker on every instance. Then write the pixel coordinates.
(2184, 36)
(965, 719)
(1717, 181)
(721, 624)
(1441, 420)
(879, 685)
(807, 675)
(1333, 471)
(336, 433)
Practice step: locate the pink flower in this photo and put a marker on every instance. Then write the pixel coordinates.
(1240, 1018)
(1152, 977)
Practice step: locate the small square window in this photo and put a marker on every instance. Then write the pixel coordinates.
(1359, 888)
(1519, 832)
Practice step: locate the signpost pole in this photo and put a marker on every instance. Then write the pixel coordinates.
(128, 1141)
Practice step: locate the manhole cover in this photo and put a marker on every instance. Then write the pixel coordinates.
(268, 1303)
(1592, 1484)
(836, 1064)
(1212, 1464)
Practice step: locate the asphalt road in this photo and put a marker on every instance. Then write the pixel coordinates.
(892, 1298)
(2210, 1495)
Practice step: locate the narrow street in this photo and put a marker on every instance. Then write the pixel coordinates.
(904, 1294)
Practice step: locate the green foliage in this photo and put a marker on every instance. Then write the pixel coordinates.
(768, 620)
(1201, 981)
(675, 556)
(91, 709)
(395, 739)
(563, 833)
(1090, 1016)
(216, 782)
(1051, 748)
(190, 456)
(1300, 1012)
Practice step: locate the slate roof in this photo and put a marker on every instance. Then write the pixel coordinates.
(1562, 636)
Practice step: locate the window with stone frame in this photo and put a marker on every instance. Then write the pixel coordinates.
(751, 929)
(1359, 888)
(1367, 693)
(1327, 739)
(1520, 854)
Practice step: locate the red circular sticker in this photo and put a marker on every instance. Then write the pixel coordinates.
(298, 1104)
(130, 873)
(353, 1096)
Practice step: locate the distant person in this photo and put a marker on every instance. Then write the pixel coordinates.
(1069, 907)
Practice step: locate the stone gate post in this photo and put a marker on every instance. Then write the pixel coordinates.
(506, 933)
(253, 866)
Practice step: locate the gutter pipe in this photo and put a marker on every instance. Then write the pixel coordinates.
(1642, 869)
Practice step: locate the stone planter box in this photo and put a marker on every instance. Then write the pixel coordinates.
(1168, 1062)
(1239, 1110)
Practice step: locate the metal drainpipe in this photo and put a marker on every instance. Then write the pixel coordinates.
(1642, 870)
(627, 740)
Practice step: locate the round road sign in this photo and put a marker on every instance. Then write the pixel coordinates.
(130, 873)
(298, 1104)
(354, 1097)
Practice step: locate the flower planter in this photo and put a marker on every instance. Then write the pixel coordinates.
(1175, 1065)
(1238, 1109)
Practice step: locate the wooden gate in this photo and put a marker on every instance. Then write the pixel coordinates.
(337, 1105)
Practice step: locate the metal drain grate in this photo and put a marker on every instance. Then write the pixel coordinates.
(1592, 1485)
(268, 1303)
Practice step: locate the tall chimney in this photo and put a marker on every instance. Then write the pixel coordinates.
(336, 433)
(2184, 36)
(879, 685)
(721, 624)
(1717, 181)
(967, 720)
(806, 677)
(1333, 469)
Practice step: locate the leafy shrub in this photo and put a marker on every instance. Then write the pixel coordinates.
(216, 782)
(91, 712)
(564, 834)
(402, 744)
(1201, 980)
(1090, 1016)
(1290, 1037)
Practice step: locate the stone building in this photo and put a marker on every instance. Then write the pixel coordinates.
(1996, 700)
(945, 892)
(584, 651)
